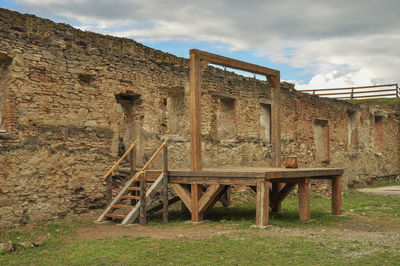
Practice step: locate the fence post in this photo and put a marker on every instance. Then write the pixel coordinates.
(165, 185)
(352, 93)
(397, 91)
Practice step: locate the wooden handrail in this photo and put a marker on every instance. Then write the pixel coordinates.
(121, 159)
(150, 160)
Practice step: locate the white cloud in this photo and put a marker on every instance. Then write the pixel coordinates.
(338, 42)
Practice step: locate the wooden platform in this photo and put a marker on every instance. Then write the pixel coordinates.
(272, 186)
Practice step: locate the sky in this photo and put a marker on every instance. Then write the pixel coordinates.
(314, 43)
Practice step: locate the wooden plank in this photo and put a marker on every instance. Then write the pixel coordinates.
(209, 198)
(233, 63)
(304, 200)
(117, 198)
(134, 213)
(120, 206)
(121, 159)
(195, 112)
(275, 85)
(210, 180)
(130, 197)
(165, 185)
(196, 195)
(337, 195)
(208, 174)
(262, 203)
(183, 194)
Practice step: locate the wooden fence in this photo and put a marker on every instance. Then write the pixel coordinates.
(377, 91)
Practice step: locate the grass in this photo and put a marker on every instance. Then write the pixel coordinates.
(368, 233)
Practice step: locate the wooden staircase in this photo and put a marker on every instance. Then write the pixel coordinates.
(138, 192)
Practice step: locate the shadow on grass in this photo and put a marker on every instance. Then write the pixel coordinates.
(244, 215)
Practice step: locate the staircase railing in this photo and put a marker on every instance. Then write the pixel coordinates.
(162, 181)
(108, 176)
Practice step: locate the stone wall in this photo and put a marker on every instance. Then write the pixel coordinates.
(71, 101)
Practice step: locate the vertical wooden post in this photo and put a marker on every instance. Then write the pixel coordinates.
(275, 83)
(142, 209)
(165, 186)
(109, 189)
(276, 205)
(352, 93)
(132, 162)
(304, 199)
(132, 167)
(196, 195)
(262, 203)
(195, 110)
(336, 195)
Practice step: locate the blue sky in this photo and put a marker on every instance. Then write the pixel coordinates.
(314, 43)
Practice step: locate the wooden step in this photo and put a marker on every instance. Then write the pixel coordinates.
(120, 206)
(112, 215)
(135, 188)
(130, 197)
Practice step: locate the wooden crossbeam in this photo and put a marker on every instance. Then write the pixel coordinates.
(233, 63)
(184, 194)
(284, 192)
(210, 197)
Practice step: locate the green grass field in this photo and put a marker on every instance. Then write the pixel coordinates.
(367, 233)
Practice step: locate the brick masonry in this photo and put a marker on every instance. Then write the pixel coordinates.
(72, 100)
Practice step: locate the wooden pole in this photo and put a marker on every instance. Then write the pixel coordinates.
(196, 195)
(142, 209)
(165, 186)
(304, 199)
(195, 110)
(275, 85)
(262, 203)
(336, 195)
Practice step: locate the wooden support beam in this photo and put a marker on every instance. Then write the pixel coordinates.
(262, 203)
(336, 195)
(276, 205)
(209, 198)
(196, 195)
(233, 63)
(225, 197)
(142, 211)
(204, 64)
(165, 185)
(304, 200)
(275, 84)
(184, 195)
(195, 112)
(284, 192)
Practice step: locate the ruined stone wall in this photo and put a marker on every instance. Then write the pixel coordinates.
(69, 97)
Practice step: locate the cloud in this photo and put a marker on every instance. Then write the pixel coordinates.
(357, 40)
